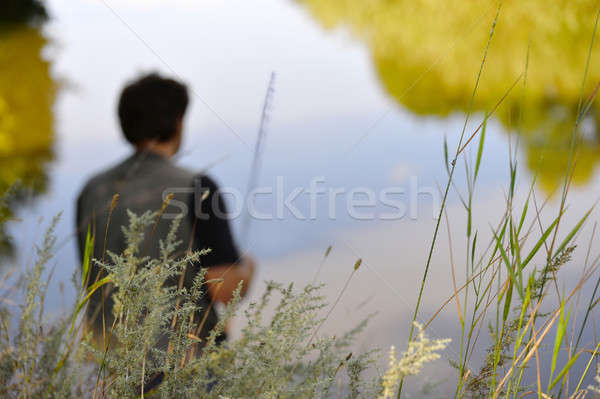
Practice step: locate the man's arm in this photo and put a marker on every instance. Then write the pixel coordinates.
(231, 275)
(224, 261)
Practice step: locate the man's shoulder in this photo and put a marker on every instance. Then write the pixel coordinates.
(139, 168)
(101, 178)
(169, 167)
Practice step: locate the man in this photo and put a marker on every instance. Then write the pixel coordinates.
(151, 111)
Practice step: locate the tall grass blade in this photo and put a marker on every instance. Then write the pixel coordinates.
(540, 242)
(87, 256)
(511, 273)
(572, 233)
(480, 148)
(560, 333)
(565, 370)
(93, 288)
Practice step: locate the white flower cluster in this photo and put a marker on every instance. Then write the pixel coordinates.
(595, 389)
(419, 352)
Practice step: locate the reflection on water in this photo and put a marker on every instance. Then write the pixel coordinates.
(26, 97)
(22, 11)
(428, 53)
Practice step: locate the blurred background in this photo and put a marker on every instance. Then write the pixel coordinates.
(365, 93)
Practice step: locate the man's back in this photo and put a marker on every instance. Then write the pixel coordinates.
(142, 183)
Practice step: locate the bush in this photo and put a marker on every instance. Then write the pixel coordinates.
(282, 357)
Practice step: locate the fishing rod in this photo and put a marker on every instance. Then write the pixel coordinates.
(258, 148)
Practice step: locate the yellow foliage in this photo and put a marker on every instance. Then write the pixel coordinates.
(427, 54)
(27, 94)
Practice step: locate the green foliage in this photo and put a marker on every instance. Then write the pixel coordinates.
(29, 358)
(154, 338)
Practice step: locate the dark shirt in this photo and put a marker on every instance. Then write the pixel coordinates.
(143, 181)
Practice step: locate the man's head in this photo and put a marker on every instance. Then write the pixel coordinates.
(151, 111)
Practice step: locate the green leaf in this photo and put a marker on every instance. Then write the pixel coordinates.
(91, 291)
(572, 233)
(526, 206)
(560, 333)
(507, 303)
(517, 253)
(469, 221)
(473, 249)
(511, 273)
(501, 236)
(560, 375)
(87, 256)
(540, 242)
(513, 179)
(523, 214)
(480, 149)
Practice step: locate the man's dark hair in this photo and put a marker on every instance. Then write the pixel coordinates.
(150, 107)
